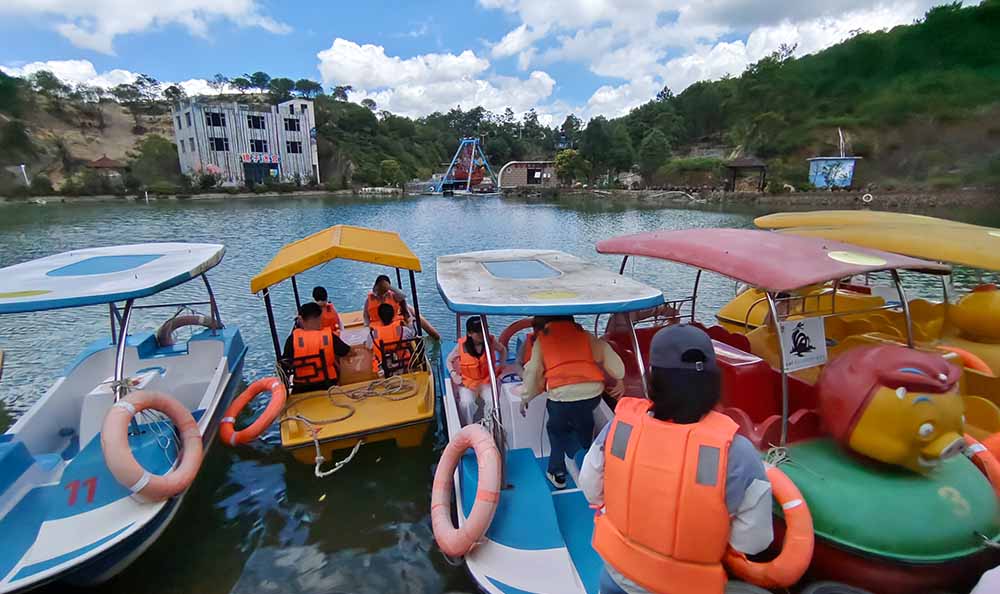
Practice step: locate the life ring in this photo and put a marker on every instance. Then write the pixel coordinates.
(867, 198)
(456, 542)
(510, 331)
(984, 461)
(123, 465)
(227, 428)
(165, 334)
(969, 360)
(796, 549)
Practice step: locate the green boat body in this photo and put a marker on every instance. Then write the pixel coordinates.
(892, 513)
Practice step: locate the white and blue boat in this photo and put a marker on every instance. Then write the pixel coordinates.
(63, 516)
(540, 537)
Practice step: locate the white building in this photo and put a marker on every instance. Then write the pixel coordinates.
(247, 143)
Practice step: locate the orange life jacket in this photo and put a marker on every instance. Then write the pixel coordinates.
(529, 342)
(382, 334)
(313, 358)
(331, 319)
(566, 355)
(475, 370)
(666, 524)
(373, 301)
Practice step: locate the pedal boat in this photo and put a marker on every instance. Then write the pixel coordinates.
(63, 516)
(395, 405)
(540, 538)
(916, 543)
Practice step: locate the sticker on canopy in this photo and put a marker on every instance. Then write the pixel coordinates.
(803, 343)
(553, 295)
(856, 258)
(22, 294)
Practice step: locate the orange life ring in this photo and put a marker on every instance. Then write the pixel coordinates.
(796, 550)
(510, 331)
(985, 461)
(123, 465)
(459, 541)
(227, 428)
(970, 360)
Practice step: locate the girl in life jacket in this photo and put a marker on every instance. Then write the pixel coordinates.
(384, 336)
(470, 370)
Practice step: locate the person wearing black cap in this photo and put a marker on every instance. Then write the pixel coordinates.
(675, 483)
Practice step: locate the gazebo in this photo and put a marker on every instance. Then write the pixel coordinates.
(107, 167)
(738, 167)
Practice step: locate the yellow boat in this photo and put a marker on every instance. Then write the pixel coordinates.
(970, 323)
(397, 403)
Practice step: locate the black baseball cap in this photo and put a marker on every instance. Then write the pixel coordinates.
(683, 347)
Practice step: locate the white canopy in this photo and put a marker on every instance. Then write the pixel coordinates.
(536, 282)
(103, 275)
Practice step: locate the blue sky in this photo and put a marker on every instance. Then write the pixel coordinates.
(588, 57)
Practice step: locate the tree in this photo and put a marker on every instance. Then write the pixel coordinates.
(571, 166)
(340, 92)
(596, 142)
(653, 153)
(369, 103)
(259, 80)
(665, 94)
(48, 84)
(280, 89)
(174, 93)
(570, 129)
(531, 129)
(391, 172)
(155, 161)
(621, 155)
(241, 84)
(127, 94)
(219, 83)
(308, 88)
(87, 93)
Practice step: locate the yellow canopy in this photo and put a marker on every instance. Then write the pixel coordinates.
(967, 245)
(341, 241)
(837, 218)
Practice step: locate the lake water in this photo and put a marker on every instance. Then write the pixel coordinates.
(256, 521)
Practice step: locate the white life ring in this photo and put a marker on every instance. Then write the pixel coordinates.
(456, 542)
(123, 465)
(867, 198)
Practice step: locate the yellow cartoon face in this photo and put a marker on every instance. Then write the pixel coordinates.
(912, 429)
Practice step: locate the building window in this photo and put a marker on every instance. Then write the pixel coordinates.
(215, 119)
(187, 116)
(255, 122)
(293, 146)
(181, 145)
(191, 144)
(219, 144)
(304, 107)
(292, 125)
(179, 127)
(291, 108)
(258, 146)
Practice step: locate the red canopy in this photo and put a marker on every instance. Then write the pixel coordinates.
(763, 259)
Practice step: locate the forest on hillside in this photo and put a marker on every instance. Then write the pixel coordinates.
(884, 90)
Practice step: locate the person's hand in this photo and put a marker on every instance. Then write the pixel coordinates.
(456, 378)
(617, 390)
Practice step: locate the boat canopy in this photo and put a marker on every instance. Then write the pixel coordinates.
(536, 282)
(934, 239)
(103, 275)
(774, 262)
(340, 241)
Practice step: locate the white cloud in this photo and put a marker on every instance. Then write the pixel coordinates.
(94, 24)
(426, 83)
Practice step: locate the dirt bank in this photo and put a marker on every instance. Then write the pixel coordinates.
(51, 200)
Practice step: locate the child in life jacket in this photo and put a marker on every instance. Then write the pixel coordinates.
(389, 328)
(470, 371)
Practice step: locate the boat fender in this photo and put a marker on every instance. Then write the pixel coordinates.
(227, 427)
(985, 461)
(796, 549)
(457, 542)
(969, 360)
(165, 334)
(510, 331)
(145, 486)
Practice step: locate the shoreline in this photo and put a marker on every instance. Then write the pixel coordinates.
(880, 200)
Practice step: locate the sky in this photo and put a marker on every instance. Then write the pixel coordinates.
(587, 57)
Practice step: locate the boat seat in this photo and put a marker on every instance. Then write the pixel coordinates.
(15, 460)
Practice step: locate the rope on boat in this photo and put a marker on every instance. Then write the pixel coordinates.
(319, 460)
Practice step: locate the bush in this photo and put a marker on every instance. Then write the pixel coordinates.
(163, 188)
(333, 186)
(41, 185)
(208, 181)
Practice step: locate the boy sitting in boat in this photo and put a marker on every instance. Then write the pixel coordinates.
(330, 319)
(311, 351)
(676, 428)
(387, 329)
(470, 372)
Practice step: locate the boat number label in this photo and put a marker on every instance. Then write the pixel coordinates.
(90, 486)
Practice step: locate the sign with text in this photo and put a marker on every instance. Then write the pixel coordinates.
(803, 343)
(259, 158)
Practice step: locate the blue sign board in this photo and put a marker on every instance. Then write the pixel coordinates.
(832, 172)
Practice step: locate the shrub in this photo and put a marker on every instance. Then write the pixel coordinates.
(41, 185)
(163, 188)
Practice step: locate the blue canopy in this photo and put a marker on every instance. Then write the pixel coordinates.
(536, 282)
(103, 275)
